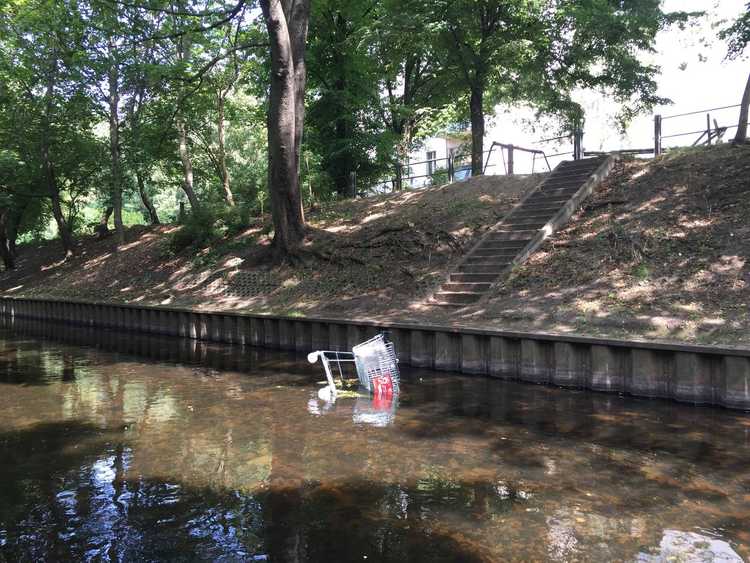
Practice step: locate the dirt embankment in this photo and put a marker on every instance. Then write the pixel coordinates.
(661, 250)
(373, 256)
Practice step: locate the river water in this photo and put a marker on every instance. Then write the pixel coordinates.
(129, 448)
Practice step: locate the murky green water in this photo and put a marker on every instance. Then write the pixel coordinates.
(157, 449)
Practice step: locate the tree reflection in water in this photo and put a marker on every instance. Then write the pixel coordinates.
(204, 453)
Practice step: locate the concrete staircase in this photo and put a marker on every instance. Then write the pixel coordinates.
(542, 212)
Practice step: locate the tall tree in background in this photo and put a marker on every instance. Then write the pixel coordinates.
(738, 35)
(287, 23)
(539, 52)
(344, 84)
(109, 63)
(489, 44)
(411, 72)
(45, 87)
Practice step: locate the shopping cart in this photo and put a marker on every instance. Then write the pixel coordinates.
(375, 361)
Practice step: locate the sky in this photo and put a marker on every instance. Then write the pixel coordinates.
(695, 76)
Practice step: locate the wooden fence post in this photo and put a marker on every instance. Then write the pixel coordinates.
(577, 143)
(510, 160)
(657, 135)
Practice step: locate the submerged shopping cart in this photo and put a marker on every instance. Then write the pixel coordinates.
(375, 362)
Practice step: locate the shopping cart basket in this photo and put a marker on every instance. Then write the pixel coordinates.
(375, 361)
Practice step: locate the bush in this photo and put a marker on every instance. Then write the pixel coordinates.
(236, 219)
(200, 228)
(439, 177)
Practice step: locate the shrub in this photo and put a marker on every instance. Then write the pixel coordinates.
(200, 228)
(439, 177)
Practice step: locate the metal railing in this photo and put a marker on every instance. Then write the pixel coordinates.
(509, 163)
(455, 166)
(713, 132)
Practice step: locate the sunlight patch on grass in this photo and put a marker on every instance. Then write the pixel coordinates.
(53, 265)
(233, 262)
(373, 217)
(290, 283)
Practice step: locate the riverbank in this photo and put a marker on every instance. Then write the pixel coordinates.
(660, 251)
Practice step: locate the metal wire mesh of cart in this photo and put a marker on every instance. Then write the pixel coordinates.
(377, 365)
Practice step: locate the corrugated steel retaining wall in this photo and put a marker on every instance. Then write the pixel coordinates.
(696, 374)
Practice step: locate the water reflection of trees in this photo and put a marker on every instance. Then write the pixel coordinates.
(133, 459)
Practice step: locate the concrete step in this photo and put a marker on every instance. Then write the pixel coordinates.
(546, 188)
(573, 176)
(527, 224)
(511, 234)
(558, 185)
(501, 261)
(462, 277)
(466, 287)
(546, 199)
(456, 298)
(533, 215)
(541, 207)
(592, 163)
(495, 251)
(553, 204)
(578, 177)
(496, 269)
(560, 191)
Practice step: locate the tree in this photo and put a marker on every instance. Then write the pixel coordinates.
(540, 51)
(738, 35)
(287, 24)
(51, 113)
(223, 81)
(343, 123)
(487, 43)
(411, 75)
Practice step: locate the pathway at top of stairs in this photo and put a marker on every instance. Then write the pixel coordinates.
(542, 212)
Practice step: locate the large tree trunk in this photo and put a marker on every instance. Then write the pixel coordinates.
(741, 136)
(223, 169)
(287, 29)
(14, 223)
(62, 225)
(114, 149)
(152, 215)
(477, 131)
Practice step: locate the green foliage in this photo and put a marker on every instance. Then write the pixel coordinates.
(382, 76)
(200, 228)
(344, 126)
(439, 177)
(207, 226)
(641, 272)
(737, 34)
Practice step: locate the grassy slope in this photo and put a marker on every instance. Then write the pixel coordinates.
(365, 257)
(661, 250)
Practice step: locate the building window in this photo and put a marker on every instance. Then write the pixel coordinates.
(431, 162)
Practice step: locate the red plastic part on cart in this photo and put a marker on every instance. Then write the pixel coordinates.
(382, 386)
